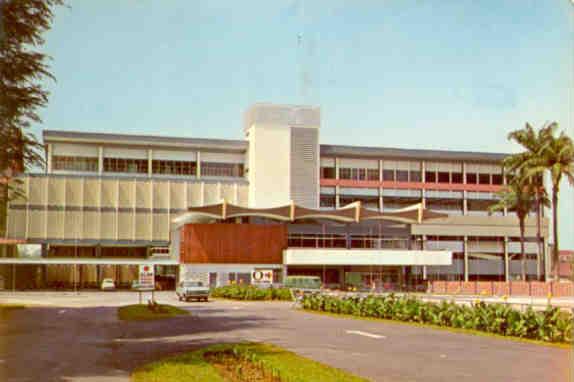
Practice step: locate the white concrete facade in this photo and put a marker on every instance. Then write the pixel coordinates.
(325, 256)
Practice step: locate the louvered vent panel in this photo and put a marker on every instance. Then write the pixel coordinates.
(304, 166)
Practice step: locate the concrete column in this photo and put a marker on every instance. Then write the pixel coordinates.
(100, 160)
(423, 247)
(465, 246)
(149, 162)
(49, 149)
(337, 162)
(423, 171)
(380, 199)
(506, 260)
(337, 201)
(198, 165)
(380, 170)
(464, 203)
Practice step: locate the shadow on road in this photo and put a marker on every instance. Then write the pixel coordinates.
(60, 344)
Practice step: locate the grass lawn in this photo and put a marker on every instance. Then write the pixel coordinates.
(240, 362)
(447, 328)
(141, 312)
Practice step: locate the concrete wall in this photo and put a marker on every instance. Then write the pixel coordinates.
(269, 165)
(283, 155)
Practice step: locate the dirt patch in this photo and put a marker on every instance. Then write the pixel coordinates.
(235, 367)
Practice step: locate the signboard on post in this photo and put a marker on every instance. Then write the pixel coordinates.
(146, 276)
(262, 276)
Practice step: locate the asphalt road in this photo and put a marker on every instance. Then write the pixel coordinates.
(78, 338)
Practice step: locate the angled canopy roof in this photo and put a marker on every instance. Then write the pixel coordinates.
(351, 213)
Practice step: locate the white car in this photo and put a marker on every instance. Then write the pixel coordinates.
(107, 284)
(192, 290)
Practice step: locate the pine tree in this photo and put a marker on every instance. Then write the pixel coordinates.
(22, 68)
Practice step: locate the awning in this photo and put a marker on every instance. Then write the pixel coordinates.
(351, 213)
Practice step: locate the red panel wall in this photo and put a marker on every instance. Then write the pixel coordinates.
(233, 243)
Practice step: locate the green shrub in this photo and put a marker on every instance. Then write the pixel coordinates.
(250, 292)
(550, 325)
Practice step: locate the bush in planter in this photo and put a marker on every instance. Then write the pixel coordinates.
(250, 292)
(550, 325)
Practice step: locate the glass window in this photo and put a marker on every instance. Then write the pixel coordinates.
(74, 163)
(389, 175)
(443, 177)
(471, 178)
(327, 201)
(479, 205)
(221, 169)
(456, 177)
(372, 174)
(496, 179)
(453, 206)
(402, 176)
(430, 177)
(328, 172)
(483, 178)
(125, 165)
(174, 167)
(345, 173)
(415, 176)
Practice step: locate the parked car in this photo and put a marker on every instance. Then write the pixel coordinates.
(192, 290)
(107, 284)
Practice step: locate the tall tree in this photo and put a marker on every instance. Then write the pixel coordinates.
(518, 195)
(22, 68)
(557, 157)
(532, 141)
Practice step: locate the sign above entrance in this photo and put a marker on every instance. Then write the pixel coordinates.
(262, 276)
(146, 276)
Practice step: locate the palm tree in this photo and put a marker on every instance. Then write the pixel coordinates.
(518, 195)
(532, 141)
(556, 156)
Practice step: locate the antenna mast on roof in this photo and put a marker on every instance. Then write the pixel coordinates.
(304, 51)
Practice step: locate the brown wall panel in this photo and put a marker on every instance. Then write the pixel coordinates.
(233, 243)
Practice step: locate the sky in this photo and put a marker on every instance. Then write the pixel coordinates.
(432, 74)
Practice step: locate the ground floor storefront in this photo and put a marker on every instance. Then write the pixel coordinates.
(69, 275)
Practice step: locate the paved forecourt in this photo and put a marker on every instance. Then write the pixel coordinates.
(78, 338)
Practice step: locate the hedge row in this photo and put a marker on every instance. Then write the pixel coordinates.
(550, 325)
(250, 292)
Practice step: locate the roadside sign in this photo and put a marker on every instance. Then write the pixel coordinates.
(146, 276)
(262, 276)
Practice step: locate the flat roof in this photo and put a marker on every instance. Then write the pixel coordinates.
(242, 145)
(145, 140)
(388, 152)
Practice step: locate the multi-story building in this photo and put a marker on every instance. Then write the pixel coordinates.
(108, 202)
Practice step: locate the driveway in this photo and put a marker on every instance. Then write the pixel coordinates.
(78, 338)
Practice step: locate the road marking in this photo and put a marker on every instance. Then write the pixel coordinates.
(365, 334)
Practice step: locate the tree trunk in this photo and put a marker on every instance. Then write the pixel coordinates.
(538, 234)
(555, 249)
(522, 251)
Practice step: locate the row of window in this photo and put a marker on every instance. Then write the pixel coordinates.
(140, 166)
(391, 203)
(75, 163)
(411, 176)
